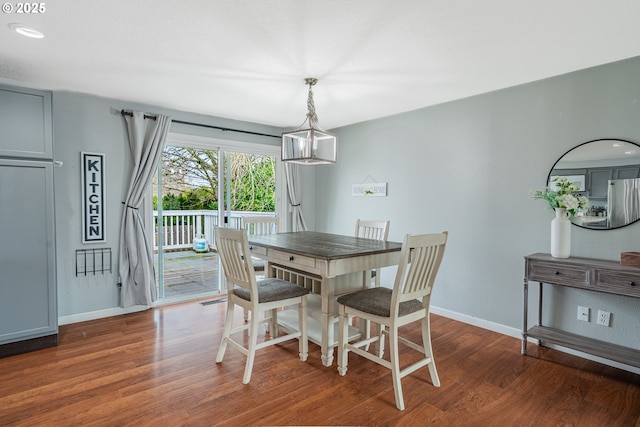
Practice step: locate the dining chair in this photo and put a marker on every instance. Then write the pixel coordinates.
(421, 257)
(377, 230)
(260, 225)
(255, 296)
(256, 226)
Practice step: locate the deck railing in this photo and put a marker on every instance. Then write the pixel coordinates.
(179, 228)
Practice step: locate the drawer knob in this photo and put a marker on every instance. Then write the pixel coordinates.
(633, 283)
(557, 273)
(291, 258)
(250, 248)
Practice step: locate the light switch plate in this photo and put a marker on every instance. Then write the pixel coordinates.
(583, 313)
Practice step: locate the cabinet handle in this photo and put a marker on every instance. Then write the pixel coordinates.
(291, 258)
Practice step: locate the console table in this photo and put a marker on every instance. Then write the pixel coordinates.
(583, 273)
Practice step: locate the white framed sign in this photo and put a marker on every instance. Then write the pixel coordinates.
(377, 189)
(93, 197)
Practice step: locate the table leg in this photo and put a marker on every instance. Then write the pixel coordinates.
(327, 294)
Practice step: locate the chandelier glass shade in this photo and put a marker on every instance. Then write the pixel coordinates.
(308, 144)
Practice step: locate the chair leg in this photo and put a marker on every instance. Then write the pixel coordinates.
(343, 336)
(395, 367)
(380, 343)
(428, 350)
(303, 340)
(273, 324)
(367, 331)
(253, 341)
(227, 331)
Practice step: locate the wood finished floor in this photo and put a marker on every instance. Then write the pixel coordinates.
(157, 368)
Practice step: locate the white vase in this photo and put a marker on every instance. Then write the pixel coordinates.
(561, 234)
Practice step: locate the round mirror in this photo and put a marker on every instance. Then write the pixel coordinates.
(607, 172)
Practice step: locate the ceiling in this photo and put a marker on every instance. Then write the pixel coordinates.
(247, 59)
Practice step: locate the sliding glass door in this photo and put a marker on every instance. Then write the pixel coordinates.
(202, 183)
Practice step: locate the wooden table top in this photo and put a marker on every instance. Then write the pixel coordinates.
(324, 245)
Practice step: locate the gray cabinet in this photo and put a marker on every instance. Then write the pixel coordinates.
(626, 172)
(25, 123)
(597, 179)
(598, 182)
(28, 302)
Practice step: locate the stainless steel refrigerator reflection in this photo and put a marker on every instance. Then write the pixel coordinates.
(623, 203)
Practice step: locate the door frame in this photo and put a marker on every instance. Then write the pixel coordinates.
(223, 146)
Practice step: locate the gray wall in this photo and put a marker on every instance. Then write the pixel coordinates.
(468, 167)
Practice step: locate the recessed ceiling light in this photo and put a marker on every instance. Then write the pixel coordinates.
(617, 144)
(630, 152)
(25, 30)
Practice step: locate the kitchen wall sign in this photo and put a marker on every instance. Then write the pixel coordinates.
(93, 197)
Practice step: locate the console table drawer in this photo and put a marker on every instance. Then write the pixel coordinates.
(293, 259)
(617, 282)
(561, 274)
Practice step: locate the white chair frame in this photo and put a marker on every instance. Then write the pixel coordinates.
(258, 226)
(233, 249)
(376, 230)
(420, 261)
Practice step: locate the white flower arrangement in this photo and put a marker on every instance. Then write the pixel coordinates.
(563, 196)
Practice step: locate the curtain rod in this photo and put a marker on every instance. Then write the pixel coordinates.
(152, 117)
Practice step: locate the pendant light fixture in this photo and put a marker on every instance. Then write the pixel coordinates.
(308, 144)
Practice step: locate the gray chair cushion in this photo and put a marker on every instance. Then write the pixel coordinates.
(377, 301)
(272, 290)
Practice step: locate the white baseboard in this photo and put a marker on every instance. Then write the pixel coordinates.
(517, 333)
(117, 311)
(99, 314)
(475, 321)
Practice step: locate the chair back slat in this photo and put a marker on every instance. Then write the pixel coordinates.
(369, 229)
(233, 250)
(260, 225)
(421, 259)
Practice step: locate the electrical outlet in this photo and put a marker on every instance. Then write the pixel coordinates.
(603, 318)
(583, 313)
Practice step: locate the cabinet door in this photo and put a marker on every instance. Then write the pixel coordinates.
(626, 172)
(27, 251)
(599, 182)
(25, 123)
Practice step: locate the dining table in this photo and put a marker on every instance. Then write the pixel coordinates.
(328, 265)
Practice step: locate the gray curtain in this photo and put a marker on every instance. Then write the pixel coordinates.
(294, 184)
(135, 266)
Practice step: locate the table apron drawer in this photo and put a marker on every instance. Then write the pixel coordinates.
(552, 273)
(617, 282)
(257, 250)
(292, 259)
